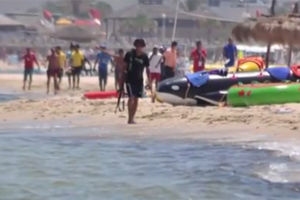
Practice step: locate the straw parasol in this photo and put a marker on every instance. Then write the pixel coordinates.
(271, 29)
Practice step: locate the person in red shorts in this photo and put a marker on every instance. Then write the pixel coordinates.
(155, 60)
(29, 61)
(198, 56)
(53, 70)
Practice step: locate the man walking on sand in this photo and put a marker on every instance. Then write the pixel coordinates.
(53, 70)
(135, 63)
(198, 56)
(170, 57)
(29, 61)
(77, 59)
(155, 59)
(119, 64)
(62, 60)
(103, 59)
(230, 53)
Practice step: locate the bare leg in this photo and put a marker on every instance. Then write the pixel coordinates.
(132, 108)
(30, 81)
(116, 83)
(78, 81)
(74, 80)
(152, 92)
(135, 106)
(101, 83)
(69, 81)
(105, 83)
(55, 84)
(24, 82)
(48, 84)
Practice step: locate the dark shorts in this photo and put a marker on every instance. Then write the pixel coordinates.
(60, 73)
(169, 72)
(76, 70)
(27, 72)
(135, 90)
(52, 72)
(103, 75)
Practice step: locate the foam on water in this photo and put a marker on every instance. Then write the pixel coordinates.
(278, 171)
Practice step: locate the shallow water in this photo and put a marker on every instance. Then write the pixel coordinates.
(40, 164)
(7, 97)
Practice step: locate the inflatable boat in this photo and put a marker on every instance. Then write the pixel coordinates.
(101, 95)
(207, 88)
(263, 94)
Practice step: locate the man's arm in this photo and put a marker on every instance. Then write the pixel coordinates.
(235, 52)
(224, 52)
(65, 63)
(96, 62)
(147, 63)
(192, 56)
(36, 62)
(87, 61)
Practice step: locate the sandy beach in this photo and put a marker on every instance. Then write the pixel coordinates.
(279, 122)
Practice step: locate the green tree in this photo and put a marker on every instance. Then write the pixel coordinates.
(53, 7)
(192, 5)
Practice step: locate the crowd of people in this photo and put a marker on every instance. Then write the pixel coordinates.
(160, 64)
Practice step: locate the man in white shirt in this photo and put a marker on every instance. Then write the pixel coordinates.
(155, 59)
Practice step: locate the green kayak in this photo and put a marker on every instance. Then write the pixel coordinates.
(263, 94)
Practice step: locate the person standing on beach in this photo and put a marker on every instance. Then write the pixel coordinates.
(182, 64)
(198, 56)
(62, 59)
(135, 63)
(77, 59)
(119, 65)
(230, 53)
(103, 59)
(53, 70)
(69, 63)
(155, 59)
(29, 61)
(170, 57)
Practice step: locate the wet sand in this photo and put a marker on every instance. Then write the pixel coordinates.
(279, 122)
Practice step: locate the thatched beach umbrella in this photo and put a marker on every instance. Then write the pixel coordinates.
(243, 31)
(272, 29)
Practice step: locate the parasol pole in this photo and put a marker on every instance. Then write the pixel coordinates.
(272, 12)
(290, 53)
(268, 54)
(175, 20)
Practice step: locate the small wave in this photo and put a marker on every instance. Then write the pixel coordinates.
(282, 149)
(46, 126)
(281, 173)
(286, 168)
(274, 173)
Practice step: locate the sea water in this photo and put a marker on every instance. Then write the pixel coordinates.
(39, 162)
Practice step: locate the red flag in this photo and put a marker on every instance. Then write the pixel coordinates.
(48, 15)
(95, 14)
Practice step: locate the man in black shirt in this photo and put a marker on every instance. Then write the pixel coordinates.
(136, 61)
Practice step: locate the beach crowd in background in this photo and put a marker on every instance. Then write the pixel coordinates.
(128, 67)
